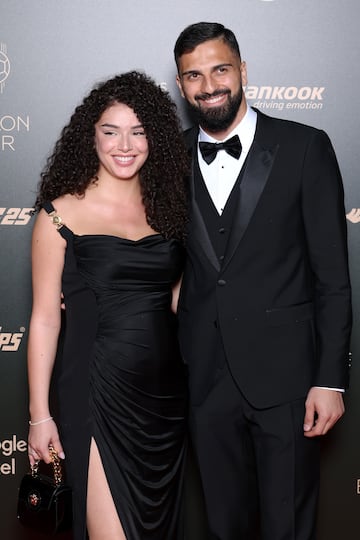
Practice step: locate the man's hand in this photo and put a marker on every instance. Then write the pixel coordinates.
(354, 215)
(323, 408)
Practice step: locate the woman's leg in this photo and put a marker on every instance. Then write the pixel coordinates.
(102, 519)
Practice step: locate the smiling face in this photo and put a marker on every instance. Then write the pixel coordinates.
(120, 143)
(211, 78)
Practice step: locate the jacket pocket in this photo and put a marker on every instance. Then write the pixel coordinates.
(290, 314)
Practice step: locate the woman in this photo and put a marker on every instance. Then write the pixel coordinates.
(109, 234)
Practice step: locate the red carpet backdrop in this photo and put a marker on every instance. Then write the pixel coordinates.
(302, 59)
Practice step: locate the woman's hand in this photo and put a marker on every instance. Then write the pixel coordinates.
(40, 437)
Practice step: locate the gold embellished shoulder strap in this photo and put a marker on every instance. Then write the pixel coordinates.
(56, 219)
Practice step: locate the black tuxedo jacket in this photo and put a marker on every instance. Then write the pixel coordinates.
(280, 300)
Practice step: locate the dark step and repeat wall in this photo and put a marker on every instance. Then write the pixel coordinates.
(303, 64)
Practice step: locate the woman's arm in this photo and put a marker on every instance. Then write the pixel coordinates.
(48, 250)
(175, 295)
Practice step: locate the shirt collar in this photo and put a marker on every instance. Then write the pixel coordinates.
(245, 129)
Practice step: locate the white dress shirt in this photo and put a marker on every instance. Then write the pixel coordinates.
(221, 174)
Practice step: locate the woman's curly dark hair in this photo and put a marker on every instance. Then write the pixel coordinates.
(74, 162)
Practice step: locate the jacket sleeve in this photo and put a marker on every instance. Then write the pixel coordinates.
(326, 237)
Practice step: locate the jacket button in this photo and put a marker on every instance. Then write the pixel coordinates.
(222, 230)
(221, 282)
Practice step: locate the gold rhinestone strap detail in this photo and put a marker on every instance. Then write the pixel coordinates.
(56, 220)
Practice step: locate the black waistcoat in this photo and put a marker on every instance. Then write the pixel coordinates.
(218, 226)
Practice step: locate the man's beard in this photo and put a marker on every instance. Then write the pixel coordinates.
(215, 119)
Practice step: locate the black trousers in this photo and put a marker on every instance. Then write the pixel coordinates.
(260, 475)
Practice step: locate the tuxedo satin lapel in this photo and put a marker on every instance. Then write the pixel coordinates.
(198, 231)
(200, 234)
(258, 168)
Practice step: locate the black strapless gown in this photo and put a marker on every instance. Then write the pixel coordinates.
(120, 379)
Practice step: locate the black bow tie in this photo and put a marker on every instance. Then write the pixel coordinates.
(231, 146)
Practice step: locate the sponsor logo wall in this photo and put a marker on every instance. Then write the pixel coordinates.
(302, 60)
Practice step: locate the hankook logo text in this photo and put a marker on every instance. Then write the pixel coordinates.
(286, 97)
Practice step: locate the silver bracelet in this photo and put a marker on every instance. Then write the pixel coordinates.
(40, 421)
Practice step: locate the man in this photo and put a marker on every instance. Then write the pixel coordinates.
(264, 310)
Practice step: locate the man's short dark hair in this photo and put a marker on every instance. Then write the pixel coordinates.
(198, 33)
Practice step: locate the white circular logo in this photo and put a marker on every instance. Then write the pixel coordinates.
(4, 67)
